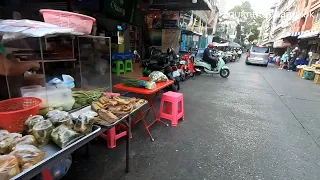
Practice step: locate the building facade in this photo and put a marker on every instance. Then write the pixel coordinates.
(265, 33)
(227, 27)
(283, 18)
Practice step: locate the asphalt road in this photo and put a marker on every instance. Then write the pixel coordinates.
(260, 123)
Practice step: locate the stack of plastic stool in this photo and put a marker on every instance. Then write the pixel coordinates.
(169, 107)
(118, 67)
(128, 66)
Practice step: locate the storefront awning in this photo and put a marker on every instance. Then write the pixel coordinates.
(310, 34)
(182, 5)
(234, 45)
(268, 43)
(292, 35)
(281, 44)
(221, 44)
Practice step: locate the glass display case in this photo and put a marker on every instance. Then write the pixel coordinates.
(65, 71)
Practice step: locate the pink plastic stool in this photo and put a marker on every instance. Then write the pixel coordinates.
(171, 111)
(112, 137)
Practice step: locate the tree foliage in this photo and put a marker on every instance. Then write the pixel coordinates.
(249, 22)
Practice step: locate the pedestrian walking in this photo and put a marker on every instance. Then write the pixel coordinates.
(284, 60)
(277, 60)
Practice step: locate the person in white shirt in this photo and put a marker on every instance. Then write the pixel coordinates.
(239, 53)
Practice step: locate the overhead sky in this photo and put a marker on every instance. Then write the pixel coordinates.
(259, 6)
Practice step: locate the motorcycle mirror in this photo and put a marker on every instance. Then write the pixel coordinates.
(135, 52)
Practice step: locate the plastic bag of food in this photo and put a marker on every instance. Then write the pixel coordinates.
(41, 131)
(28, 139)
(27, 155)
(9, 167)
(157, 76)
(8, 142)
(58, 117)
(31, 121)
(3, 133)
(83, 124)
(64, 135)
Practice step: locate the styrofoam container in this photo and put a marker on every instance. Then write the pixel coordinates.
(34, 88)
(60, 97)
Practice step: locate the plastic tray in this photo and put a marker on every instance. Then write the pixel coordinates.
(54, 154)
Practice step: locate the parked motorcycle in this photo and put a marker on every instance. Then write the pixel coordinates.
(157, 62)
(172, 75)
(204, 67)
(234, 57)
(186, 65)
(228, 57)
(166, 63)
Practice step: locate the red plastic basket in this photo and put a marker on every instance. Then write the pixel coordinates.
(78, 22)
(14, 112)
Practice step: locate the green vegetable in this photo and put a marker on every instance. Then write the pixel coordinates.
(44, 111)
(76, 105)
(139, 83)
(82, 101)
(86, 97)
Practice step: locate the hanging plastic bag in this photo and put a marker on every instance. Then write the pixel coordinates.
(58, 117)
(41, 131)
(9, 167)
(31, 121)
(64, 135)
(28, 139)
(84, 123)
(8, 142)
(157, 76)
(27, 155)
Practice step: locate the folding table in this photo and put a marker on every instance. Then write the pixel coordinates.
(147, 93)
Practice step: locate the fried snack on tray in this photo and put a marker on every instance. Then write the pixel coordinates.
(121, 101)
(139, 102)
(105, 114)
(95, 106)
(111, 109)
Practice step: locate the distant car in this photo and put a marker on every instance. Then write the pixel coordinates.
(258, 55)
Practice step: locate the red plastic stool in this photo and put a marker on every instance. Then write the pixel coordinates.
(171, 111)
(112, 137)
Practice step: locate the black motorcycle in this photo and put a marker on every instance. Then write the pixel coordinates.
(175, 87)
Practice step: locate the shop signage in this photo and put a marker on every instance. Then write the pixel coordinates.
(120, 8)
(170, 19)
(117, 6)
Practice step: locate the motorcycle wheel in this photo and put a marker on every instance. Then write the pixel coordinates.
(174, 88)
(183, 77)
(224, 73)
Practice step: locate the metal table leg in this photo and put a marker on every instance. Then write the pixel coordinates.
(88, 149)
(128, 145)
